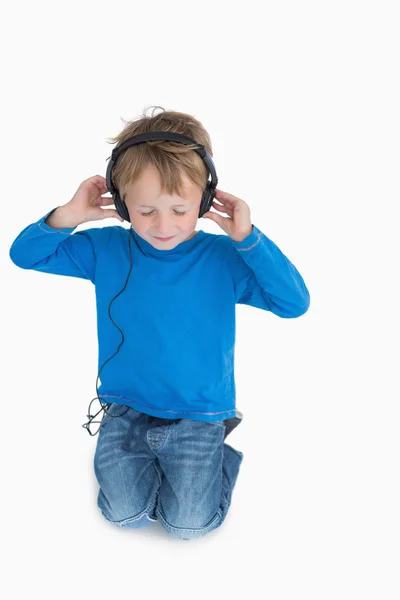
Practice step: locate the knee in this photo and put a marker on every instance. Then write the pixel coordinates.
(142, 521)
(122, 519)
(189, 526)
(126, 514)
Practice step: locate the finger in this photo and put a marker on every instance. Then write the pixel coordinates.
(225, 200)
(101, 179)
(104, 201)
(111, 214)
(99, 189)
(224, 196)
(221, 208)
(100, 182)
(216, 217)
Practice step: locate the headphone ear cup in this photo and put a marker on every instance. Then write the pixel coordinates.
(121, 207)
(206, 200)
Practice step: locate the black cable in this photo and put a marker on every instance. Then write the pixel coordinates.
(107, 405)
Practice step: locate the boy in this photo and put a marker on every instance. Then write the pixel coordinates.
(168, 386)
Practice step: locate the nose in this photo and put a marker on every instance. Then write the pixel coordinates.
(163, 226)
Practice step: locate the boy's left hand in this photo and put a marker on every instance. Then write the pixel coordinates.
(238, 223)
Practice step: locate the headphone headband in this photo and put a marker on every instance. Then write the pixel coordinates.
(162, 135)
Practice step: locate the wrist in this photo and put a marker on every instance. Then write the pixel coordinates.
(63, 218)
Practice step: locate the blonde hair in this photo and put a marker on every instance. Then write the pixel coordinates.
(170, 158)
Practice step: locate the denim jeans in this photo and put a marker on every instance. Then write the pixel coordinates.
(179, 472)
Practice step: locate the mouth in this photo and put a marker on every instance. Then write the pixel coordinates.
(164, 239)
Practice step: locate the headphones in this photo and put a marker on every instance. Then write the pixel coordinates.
(205, 206)
(209, 192)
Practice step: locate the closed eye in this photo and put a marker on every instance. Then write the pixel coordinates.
(150, 213)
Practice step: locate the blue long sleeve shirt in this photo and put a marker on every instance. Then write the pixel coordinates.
(177, 312)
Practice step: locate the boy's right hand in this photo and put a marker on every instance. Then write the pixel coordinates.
(86, 203)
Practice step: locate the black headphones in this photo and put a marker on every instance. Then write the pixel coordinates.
(205, 206)
(209, 192)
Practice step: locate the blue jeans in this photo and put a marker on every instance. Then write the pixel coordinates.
(176, 471)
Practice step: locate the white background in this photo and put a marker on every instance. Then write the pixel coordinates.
(301, 100)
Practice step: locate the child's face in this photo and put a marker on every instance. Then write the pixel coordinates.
(164, 217)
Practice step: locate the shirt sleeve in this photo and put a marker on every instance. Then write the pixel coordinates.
(42, 248)
(265, 278)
